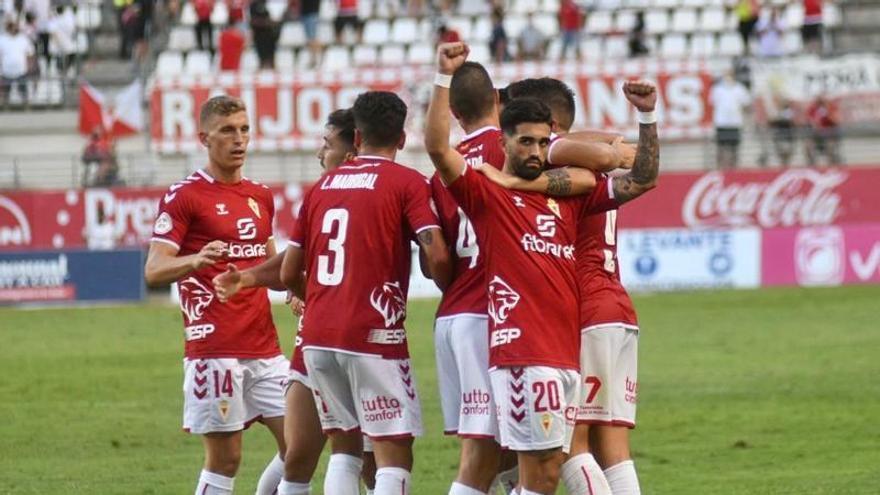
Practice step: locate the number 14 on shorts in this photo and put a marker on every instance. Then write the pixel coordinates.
(221, 382)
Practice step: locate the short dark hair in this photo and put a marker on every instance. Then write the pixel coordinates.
(471, 93)
(524, 110)
(503, 96)
(222, 105)
(343, 121)
(379, 116)
(553, 92)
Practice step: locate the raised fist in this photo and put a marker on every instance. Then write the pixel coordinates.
(642, 94)
(450, 56)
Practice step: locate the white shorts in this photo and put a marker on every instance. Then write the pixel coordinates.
(609, 366)
(228, 394)
(295, 376)
(461, 345)
(536, 406)
(368, 392)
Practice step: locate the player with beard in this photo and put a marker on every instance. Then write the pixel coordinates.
(302, 427)
(533, 370)
(233, 366)
(609, 338)
(356, 351)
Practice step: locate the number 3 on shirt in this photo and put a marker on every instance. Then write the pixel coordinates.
(610, 239)
(335, 220)
(466, 245)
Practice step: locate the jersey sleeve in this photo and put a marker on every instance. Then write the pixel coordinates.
(301, 222)
(417, 207)
(470, 191)
(172, 223)
(602, 198)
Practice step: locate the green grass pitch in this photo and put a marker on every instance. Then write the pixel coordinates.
(742, 392)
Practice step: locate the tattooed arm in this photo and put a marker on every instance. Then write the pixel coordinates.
(437, 259)
(565, 181)
(643, 176)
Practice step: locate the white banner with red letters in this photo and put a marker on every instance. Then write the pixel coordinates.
(288, 110)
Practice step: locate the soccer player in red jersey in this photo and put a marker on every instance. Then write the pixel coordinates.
(530, 274)
(609, 338)
(353, 239)
(233, 368)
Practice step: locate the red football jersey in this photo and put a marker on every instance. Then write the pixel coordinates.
(467, 293)
(355, 226)
(199, 210)
(530, 268)
(297, 360)
(603, 299)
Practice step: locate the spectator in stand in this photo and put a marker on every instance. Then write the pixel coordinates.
(347, 15)
(729, 99)
(204, 28)
(265, 33)
(122, 8)
(811, 31)
(17, 61)
(446, 34)
(747, 12)
(571, 21)
(42, 10)
(498, 40)
(823, 132)
(231, 46)
(532, 43)
(782, 125)
(101, 235)
(637, 45)
(96, 152)
(62, 42)
(769, 30)
(309, 15)
(236, 11)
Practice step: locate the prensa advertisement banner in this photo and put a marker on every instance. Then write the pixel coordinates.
(681, 259)
(288, 110)
(822, 256)
(75, 275)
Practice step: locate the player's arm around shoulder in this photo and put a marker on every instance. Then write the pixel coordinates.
(448, 162)
(646, 164)
(578, 150)
(564, 181)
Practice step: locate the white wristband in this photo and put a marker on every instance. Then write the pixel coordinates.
(647, 117)
(443, 80)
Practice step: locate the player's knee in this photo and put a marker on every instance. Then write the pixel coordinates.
(480, 460)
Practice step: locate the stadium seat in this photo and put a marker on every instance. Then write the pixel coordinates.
(616, 47)
(599, 22)
(673, 45)
(703, 45)
(420, 53)
(392, 55)
(197, 63)
(730, 44)
(480, 53)
(462, 25)
(304, 60)
(656, 22)
(695, 3)
(591, 48)
(549, 6)
(336, 58)
(188, 15)
(547, 24)
(482, 30)
(521, 6)
(624, 20)
(277, 9)
(666, 4)
(404, 30)
(365, 55)
(220, 14)
(182, 39)
(473, 9)
(637, 4)
(285, 60)
(365, 9)
(250, 62)
(830, 15)
(88, 17)
(608, 5)
(327, 10)
(426, 29)
(793, 15)
(325, 33)
(792, 43)
(513, 24)
(712, 20)
(684, 21)
(292, 35)
(554, 49)
(376, 32)
(169, 64)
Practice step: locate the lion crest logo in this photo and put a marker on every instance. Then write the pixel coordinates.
(389, 302)
(502, 300)
(194, 298)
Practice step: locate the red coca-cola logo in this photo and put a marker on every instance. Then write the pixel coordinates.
(796, 197)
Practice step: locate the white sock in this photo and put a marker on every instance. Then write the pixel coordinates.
(369, 492)
(582, 476)
(271, 477)
(623, 479)
(392, 481)
(507, 480)
(343, 475)
(214, 484)
(523, 491)
(293, 488)
(459, 489)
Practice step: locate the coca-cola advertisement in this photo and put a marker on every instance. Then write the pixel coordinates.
(799, 197)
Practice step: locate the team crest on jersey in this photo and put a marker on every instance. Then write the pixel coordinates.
(389, 302)
(194, 299)
(554, 207)
(163, 224)
(546, 423)
(252, 204)
(502, 300)
(221, 209)
(224, 409)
